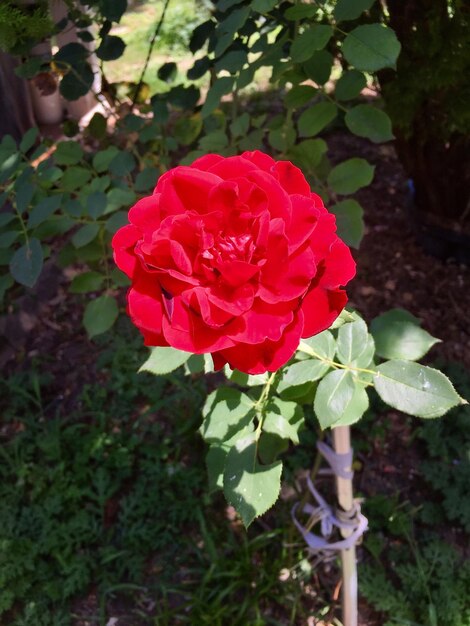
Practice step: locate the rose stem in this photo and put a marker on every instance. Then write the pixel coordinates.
(344, 488)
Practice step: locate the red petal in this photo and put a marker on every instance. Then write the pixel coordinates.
(264, 321)
(187, 331)
(267, 356)
(232, 167)
(260, 159)
(320, 308)
(185, 189)
(206, 162)
(123, 244)
(234, 301)
(304, 220)
(291, 178)
(145, 214)
(145, 304)
(339, 266)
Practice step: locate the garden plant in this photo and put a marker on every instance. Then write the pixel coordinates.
(231, 260)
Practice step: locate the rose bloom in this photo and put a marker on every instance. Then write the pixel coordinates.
(233, 256)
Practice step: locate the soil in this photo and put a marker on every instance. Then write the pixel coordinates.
(392, 271)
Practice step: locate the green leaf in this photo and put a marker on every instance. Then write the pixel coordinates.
(188, 128)
(85, 234)
(113, 10)
(199, 68)
(308, 153)
(122, 164)
(283, 138)
(314, 119)
(167, 72)
(299, 95)
(200, 35)
(116, 221)
(302, 372)
(86, 282)
(118, 198)
(217, 456)
(350, 175)
(319, 346)
(30, 68)
(240, 125)
(352, 339)
(43, 210)
(263, 6)
(228, 27)
(77, 83)
(366, 359)
(349, 221)
(72, 53)
(300, 11)
(6, 218)
(346, 10)
(24, 195)
(198, 363)
(74, 178)
(251, 488)
(349, 85)
(100, 315)
(110, 48)
(164, 360)
(371, 47)
(214, 142)
(337, 402)
(399, 338)
(96, 204)
(283, 419)
(221, 87)
(367, 121)
(28, 140)
(6, 239)
(246, 380)
(225, 412)
(232, 61)
(215, 463)
(97, 126)
(49, 176)
(314, 38)
(103, 158)
(252, 141)
(26, 263)
(270, 446)
(318, 67)
(146, 179)
(415, 389)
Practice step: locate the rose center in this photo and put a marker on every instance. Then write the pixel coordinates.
(231, 248)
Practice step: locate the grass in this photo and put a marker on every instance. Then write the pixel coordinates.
(137, 28)
(110, 501)
(106, 512)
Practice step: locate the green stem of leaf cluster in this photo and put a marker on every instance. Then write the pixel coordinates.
(335, 102)
(23, 225)
(308, 350)
(261, 403)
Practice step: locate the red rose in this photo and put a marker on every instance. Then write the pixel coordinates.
(233, 256)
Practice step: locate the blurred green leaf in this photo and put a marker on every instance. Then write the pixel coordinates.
(371, 47)
(26, 264)
(350, 175)
(367, 121)
(100, 315)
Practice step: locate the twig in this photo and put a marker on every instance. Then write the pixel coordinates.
(149, 52)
